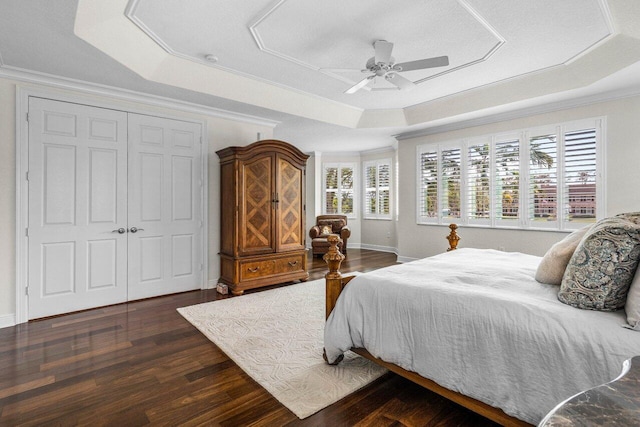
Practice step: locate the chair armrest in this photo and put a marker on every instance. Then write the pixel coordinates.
(345, 232)
(314, 232)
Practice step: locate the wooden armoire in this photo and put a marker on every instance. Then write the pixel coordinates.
(262, 235)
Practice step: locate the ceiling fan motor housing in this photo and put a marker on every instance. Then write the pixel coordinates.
(380, 68)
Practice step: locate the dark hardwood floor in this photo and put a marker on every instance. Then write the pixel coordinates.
(141, 363)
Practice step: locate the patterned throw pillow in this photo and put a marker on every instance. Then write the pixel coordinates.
(325, 230)
(631, 216)
(602, 267)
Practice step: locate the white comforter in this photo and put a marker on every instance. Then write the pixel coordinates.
(476, 321)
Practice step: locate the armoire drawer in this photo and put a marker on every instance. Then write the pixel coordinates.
(255, 269)
(290, 263)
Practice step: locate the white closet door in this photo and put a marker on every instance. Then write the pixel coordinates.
(165, 212)
(77, 197)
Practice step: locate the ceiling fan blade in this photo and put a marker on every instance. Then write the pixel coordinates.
(438, 61)
(399, 81)
(383, 51)
(362, 83)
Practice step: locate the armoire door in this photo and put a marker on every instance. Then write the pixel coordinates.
(289, 208)
(257, 203)
(77, 203)
(165, 211)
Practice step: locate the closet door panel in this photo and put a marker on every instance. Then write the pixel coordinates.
(77, 197)
(165, 214)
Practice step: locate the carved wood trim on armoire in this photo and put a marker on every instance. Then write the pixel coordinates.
(262, 228)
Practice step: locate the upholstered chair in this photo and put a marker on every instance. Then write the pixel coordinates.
(325, 225)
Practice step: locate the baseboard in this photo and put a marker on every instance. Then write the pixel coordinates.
(211, 284)
(404, 259)
(7, 320)
(379, 248)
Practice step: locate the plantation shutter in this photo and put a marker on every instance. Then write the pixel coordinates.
(371, 185)
(451, 180)
(479, 183)
(543, 180)
(346, 189)
(428, 186)
(507, 181)
(579, 196)
(384, 186)
(331, 190)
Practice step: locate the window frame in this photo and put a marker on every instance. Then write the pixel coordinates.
(524, 218)
(561, 130)
(354, 191)
(377, 164)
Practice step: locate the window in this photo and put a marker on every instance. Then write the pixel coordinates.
(440, 184)
(339, 189)
(546, 178)
(506, 195)
(478, 183)
(451, 180)
(377, 183)
(428, 186)
(563, 184)
(543, 179)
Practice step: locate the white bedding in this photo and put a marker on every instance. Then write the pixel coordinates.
(476, 321)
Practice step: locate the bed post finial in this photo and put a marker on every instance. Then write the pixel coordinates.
(333, 257)
(453, 238)
(333, 278)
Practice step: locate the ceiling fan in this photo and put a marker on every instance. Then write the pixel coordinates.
(383, 65)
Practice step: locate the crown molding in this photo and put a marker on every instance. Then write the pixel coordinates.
(523, 112)
(50, 80)
(335, 154)
(381, 150)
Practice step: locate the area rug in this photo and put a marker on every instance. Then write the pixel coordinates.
(276, 337)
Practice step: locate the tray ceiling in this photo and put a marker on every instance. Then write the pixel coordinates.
(305, 45)
(290, 61)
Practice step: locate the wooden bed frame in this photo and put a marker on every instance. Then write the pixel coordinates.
(335, 282)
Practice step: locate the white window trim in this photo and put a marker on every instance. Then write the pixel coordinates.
(523, 222)
(377, 164)
(339, 165)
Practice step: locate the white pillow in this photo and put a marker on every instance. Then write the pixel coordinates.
(554, 262)
(632, 306)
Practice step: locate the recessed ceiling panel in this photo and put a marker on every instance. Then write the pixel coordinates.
(320, 47)
(324, 39)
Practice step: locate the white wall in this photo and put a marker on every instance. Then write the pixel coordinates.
(311, 193)
(220, 133)
(379, 234)
(7, 200)
(621, 168)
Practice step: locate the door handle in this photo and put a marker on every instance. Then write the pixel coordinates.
(135, 229)
(119, 230)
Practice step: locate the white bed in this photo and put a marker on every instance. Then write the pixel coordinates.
(476, 322)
